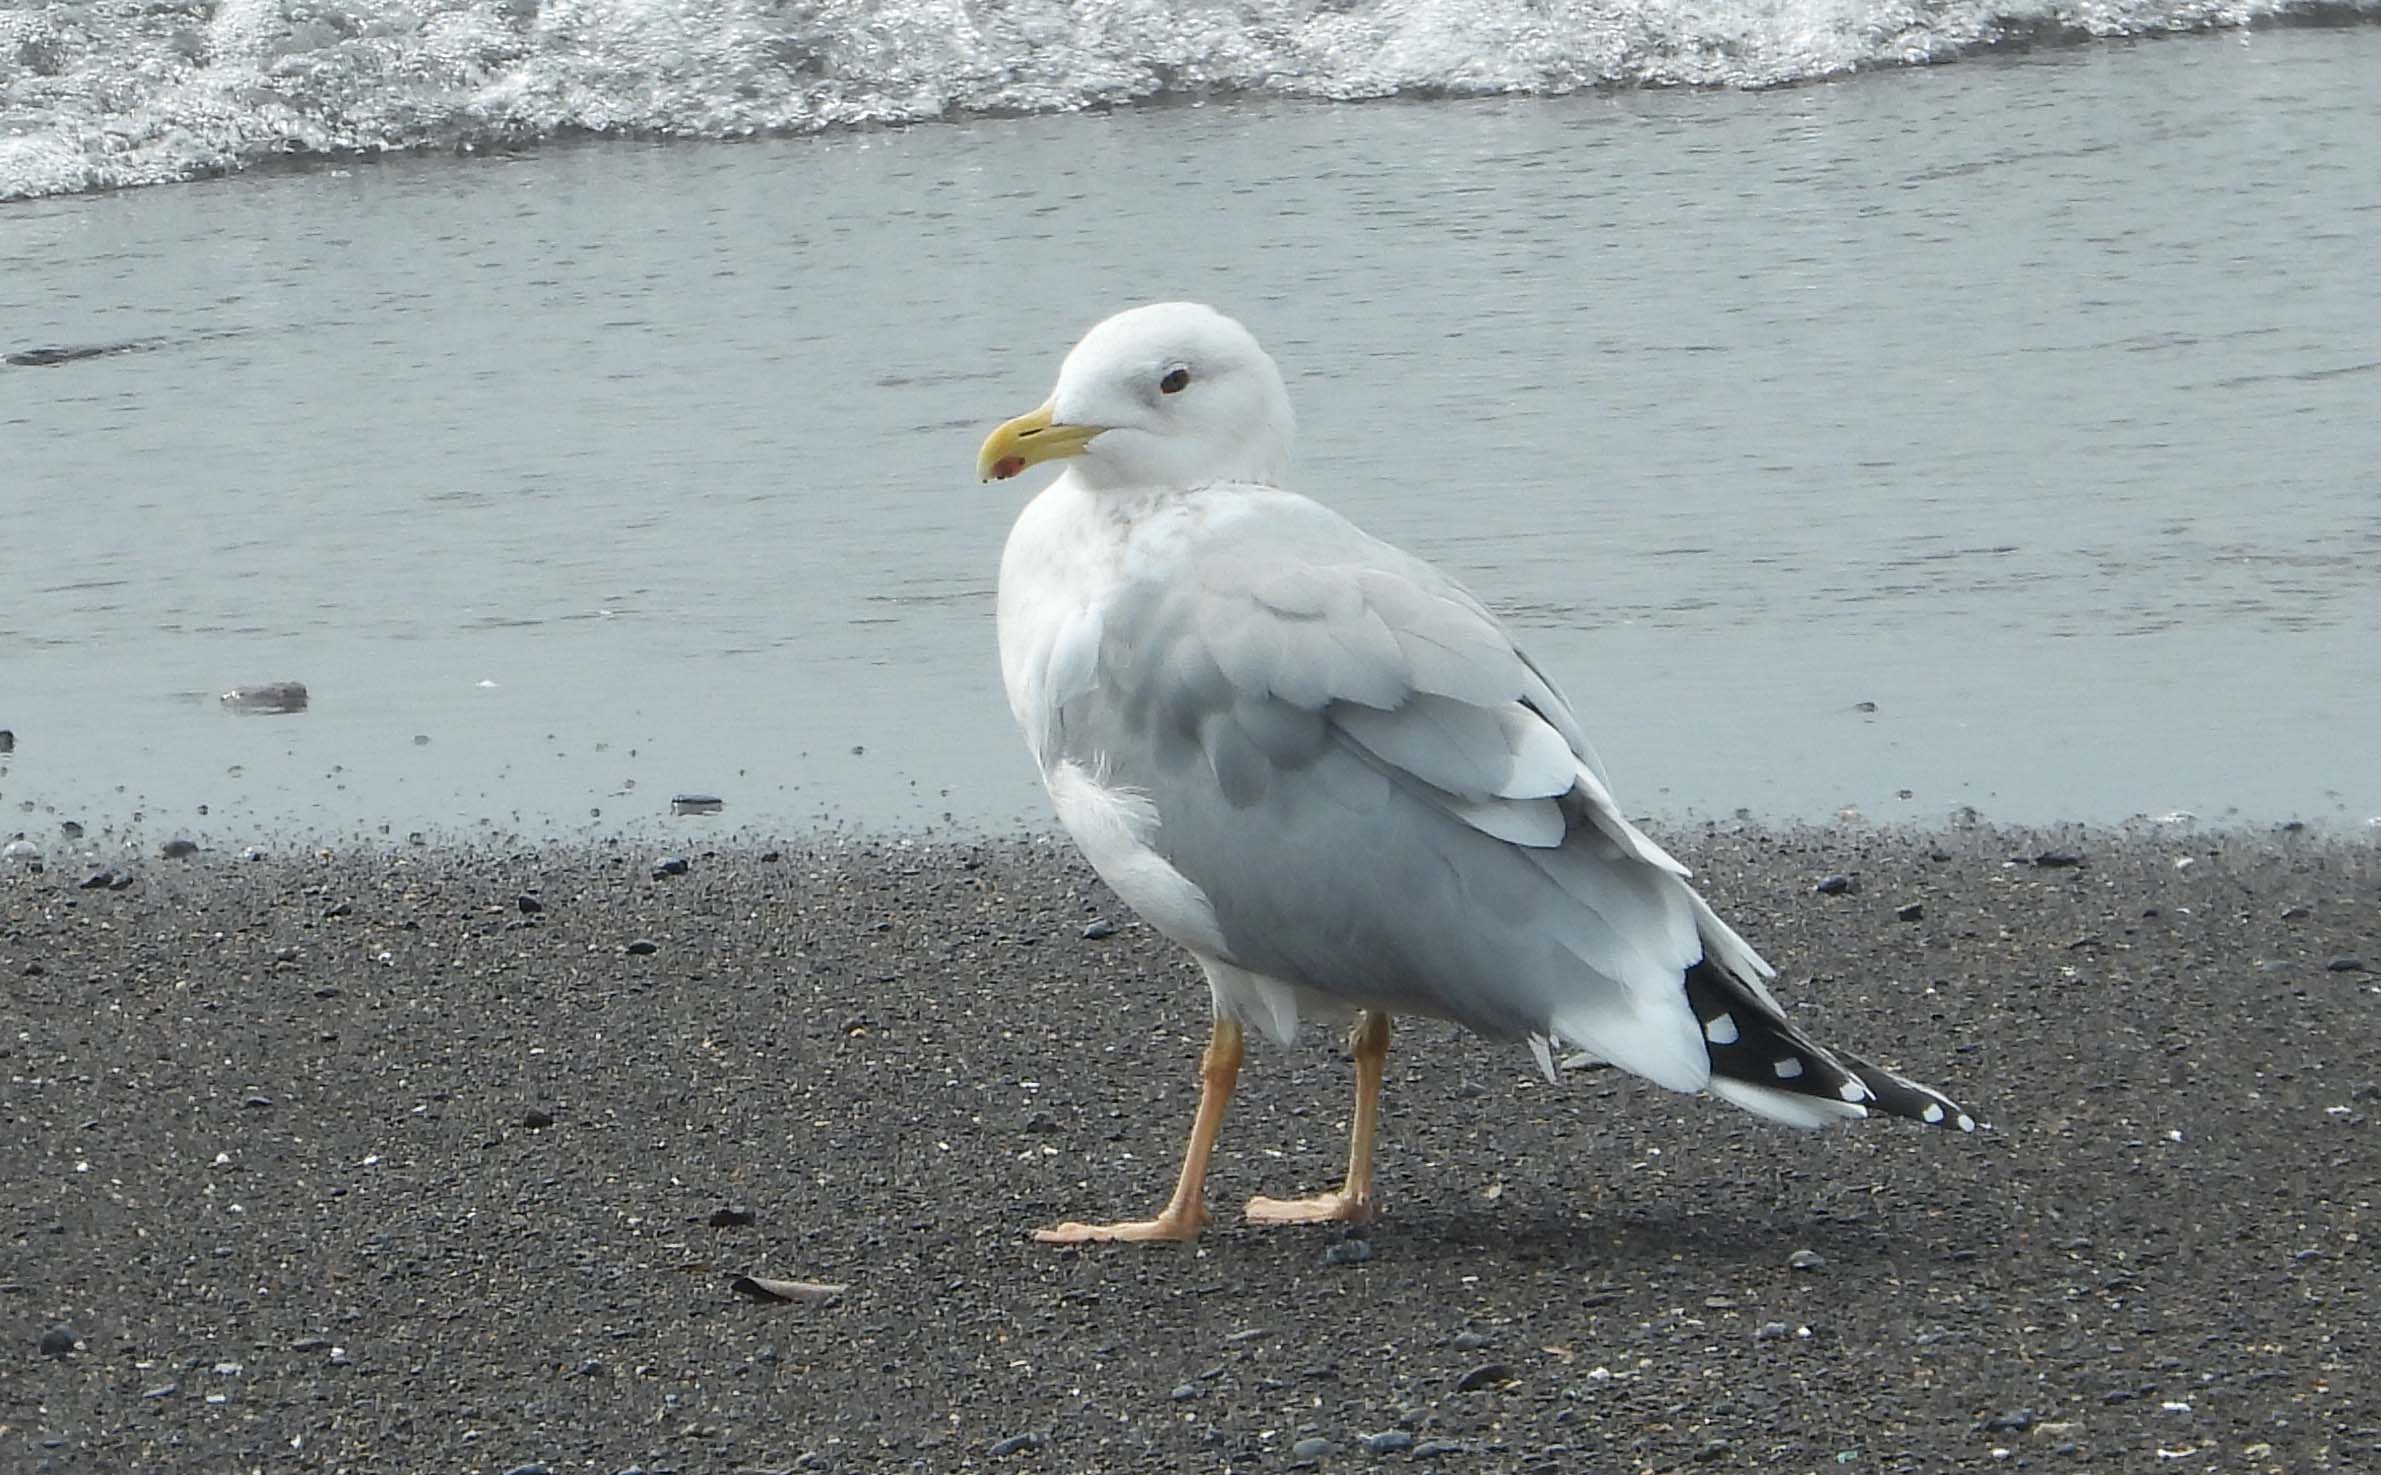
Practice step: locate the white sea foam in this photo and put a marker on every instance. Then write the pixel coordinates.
(97, 94)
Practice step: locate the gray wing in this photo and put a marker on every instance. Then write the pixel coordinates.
(1380, 797)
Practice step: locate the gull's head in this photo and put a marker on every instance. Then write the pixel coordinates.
(1169, 395)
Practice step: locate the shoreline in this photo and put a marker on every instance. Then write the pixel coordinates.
(450, 1183)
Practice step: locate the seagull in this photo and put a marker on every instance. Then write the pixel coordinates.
(1321, 766)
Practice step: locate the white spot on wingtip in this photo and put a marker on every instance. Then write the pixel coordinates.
(1933, 1113)
(1966, 1123)
(1788, 1068)
(1720, 1029)
(1854, 1090)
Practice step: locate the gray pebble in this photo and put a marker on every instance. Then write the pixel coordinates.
(530, 906)
(1388, 1442)
(162, 1390)
(644, 947)
(669, 865)
(1311, 1448)
(1836, 885)
(1772, 1331)
(1185, 1392)
(1099, 929)
(1486, 1375)
(1806, 1260)
(1909, 912)
(532, 1468)
(1468, 1341)
(1432, 1448)
(2344, 965)
(58, 1341)
(1014, 1443)
(1348, 1252)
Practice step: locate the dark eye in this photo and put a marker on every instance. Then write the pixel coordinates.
(1177, 379)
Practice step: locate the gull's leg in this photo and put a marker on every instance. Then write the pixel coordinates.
(1354, 1203)
(1219, 1071)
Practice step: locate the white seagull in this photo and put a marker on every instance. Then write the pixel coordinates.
(1322, 766)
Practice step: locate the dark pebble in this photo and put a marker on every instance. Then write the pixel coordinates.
(2344, 965)
(697, 804)
(34, 970)
(97, 881)
(1716, 1449)
(1469, 1341)
(1486, 1375)
(338, 909)
(1909, 912)
(1099, 929)
(644, 947)
(2017, 1420)
(1836, 885)
(2117, 1395)
(1311, 1448)
(669, 865)
(537, 1119)
(1388, 1442)
(8, 741)
(734, 1216)
(2297, 914)
(532, 1468)
(1014, 1443)
(1806, 1260)
(257, 1102)
(2058, 860)
(530, 906)
(1348, 1252)
(1185, 1392)
(178, 849)
(1771, 1330)
(58, 1341)
(1430, 1449)
(311, 1344)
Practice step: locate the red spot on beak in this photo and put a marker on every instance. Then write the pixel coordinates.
(1006, 467)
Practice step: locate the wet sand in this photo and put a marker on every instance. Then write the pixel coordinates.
(350, 1162)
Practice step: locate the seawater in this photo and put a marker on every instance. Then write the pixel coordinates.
(1991, 436)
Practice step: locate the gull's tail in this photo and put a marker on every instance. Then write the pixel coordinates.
(1762, 1062)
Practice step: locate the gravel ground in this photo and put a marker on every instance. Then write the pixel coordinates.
(442, 1160)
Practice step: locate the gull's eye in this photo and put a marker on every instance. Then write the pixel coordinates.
(1177, 379)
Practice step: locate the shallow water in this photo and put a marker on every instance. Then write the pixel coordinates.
(2030, 400)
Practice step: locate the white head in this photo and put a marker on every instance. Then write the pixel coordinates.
(1170, 395)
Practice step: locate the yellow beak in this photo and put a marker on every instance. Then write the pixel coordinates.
(1029, 440)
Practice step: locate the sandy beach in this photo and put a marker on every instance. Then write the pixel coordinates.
(444, 1160)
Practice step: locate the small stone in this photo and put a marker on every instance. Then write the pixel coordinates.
(1099, 929)
(1434, 1448)
(1387, 1442)
(256, 1102)
(530, 906)
(1806, 1260)
(1348, 1252)
(310, 1344)
(644, 947)
(2017, 1420)
(1486, 1375)
(1771, 1331)
(23, 852)
(1909, 911)
(1185, 1392)
(733, 1216)
(2297, 914)
(537, 1119)
(1312, 1448)
(1015, 1443)
(34, 970)
(58, 1341)
(2053, 860)
(1468, 1341)
(2117, 1395)
(2344, 965)
(97, 881)
(669, 865)
(162, 1390)
(697, 804)
(534, 1467)
(338, 909)
(178, 849)
(1836, 885)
